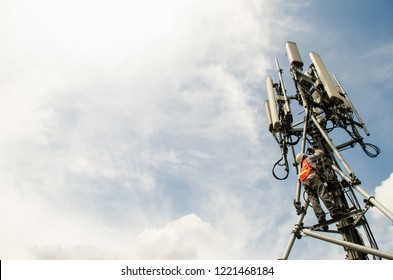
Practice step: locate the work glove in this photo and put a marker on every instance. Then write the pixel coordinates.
(310, 150)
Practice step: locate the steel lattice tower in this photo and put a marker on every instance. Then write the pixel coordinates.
(326, 108)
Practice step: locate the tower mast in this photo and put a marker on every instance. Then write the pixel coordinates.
(325, 108)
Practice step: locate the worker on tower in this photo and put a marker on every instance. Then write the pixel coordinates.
(313, 185)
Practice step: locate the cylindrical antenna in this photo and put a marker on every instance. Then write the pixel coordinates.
(268, 115)
(272, 104)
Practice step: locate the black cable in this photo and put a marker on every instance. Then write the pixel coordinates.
(278, 164)
(291, 142)
(370, 154)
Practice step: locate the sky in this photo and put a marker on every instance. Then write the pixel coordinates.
(136, 129)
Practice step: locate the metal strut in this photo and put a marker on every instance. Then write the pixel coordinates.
(326, 107)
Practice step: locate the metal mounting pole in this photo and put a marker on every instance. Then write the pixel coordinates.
(352, 107)
(370, 198)
(298, 186)
(295, 232)
(374, 202)
(283, 88)
(336, 152)
(347, 244)
(303, 148)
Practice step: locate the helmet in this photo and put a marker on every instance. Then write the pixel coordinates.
(299, 158)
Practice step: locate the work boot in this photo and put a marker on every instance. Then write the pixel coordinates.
(321, 221)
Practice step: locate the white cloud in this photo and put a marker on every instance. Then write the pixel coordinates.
(384, 193)
(381, 68)
(381, 225)
(186, 238)
(75, 252)
(120, 118)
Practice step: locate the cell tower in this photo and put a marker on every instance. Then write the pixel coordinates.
(325, 108)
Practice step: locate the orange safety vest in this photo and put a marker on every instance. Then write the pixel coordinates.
(305, 170)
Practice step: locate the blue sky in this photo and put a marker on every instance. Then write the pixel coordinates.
(136, 130)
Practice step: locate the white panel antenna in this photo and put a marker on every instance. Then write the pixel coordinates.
(325, 78)
(293, 54)
(272, 104)
(268, 116)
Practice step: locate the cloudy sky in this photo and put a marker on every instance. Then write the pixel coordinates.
(136, 130)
